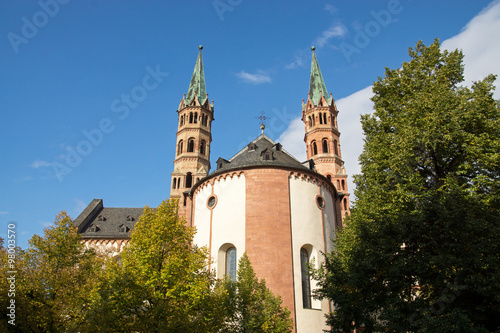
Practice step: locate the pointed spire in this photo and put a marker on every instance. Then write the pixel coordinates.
(197, 86)
(317, 85)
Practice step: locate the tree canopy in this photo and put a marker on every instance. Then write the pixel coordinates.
(421, 249)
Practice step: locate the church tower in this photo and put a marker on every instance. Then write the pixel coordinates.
(319, 115)
(192, 154)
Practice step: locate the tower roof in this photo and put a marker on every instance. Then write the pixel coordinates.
(317, 85)
(197, 85)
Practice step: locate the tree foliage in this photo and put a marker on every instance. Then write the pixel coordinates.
(161, 282)
(255, 308)
(52, 279)
(421, 251)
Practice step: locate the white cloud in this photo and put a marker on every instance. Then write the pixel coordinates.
(480, 44)
(330, 8)
(258, 78)
(40, 164)
(4, 213)
(335, 30)
(292, 139)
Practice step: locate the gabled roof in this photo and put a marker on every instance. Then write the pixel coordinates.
(254, 155)
(97, 221)
(317, 87)
(197, 85)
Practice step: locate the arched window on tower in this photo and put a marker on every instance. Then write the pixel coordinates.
(335, 147)
(324, 118)
(310, 121)
(190, 147)
(306, 283)
(190, 117)
(343, 184)
(189, 180)
(338, 185)
(174, 183)
(314, 148)
(231, 262)
(325, 146)
(320, 118)
(179, 147)
(329, 177)
(195, 118)
(182, 120)
(313, 120)
(203, 146)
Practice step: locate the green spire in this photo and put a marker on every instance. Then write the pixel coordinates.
(197, 84)
(317, 85)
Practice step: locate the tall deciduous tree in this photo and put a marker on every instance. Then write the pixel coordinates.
(421, 251)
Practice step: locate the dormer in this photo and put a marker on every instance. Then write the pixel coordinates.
(221, 163)
(267, 154)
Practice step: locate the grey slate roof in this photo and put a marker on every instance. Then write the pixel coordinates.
(254, 155)
(97, 221)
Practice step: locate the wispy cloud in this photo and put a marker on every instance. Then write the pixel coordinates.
(4, 213)
(330, 8)
(335, 30)
(257, 78)
(40, 164)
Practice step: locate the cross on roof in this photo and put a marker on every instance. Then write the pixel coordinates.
(262, 119)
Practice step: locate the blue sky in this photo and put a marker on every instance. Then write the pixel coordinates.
(68, 135)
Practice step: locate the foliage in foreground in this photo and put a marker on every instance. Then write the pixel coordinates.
(421, 252)
(160, 284)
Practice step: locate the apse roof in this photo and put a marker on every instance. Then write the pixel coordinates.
(261, 152)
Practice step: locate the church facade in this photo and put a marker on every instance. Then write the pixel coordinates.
(282, 212)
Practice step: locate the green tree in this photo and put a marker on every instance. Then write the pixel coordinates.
(161, 283)
(52, 279)
(255, 307)
(421, 250)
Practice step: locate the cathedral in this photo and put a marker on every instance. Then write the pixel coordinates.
(282, 212)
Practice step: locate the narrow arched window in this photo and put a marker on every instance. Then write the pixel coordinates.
(325, 146)
(203, 146)
(324, 118)
(329, 177)
(335, 147)
(190, 117)
(195, 119)
(189, 180)
(314, 148)
(345, 204)
(190, 145)
(231, 263)
(306, 283)
(320, 118)
(338, 185)
(173, 183)
(343, 184)
(182, 120)
(179, 147)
